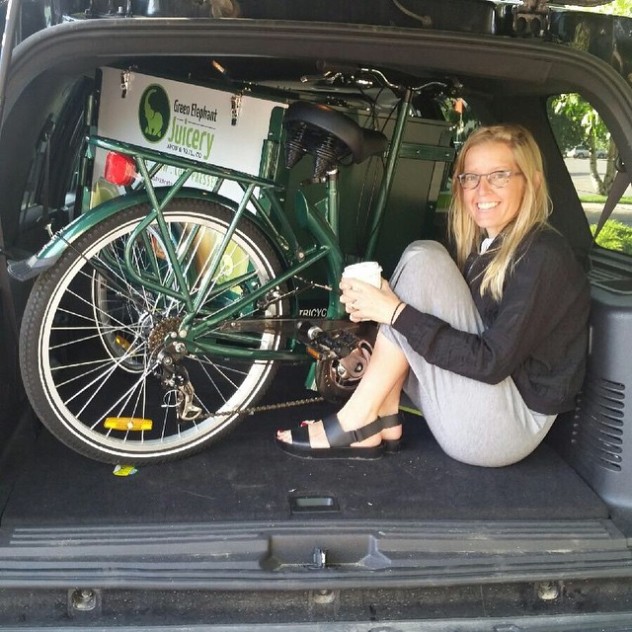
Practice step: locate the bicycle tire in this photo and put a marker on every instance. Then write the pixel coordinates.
(90, 337)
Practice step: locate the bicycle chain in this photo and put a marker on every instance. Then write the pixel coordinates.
(267, 407)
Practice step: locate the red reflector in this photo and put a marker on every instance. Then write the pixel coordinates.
(119, 169)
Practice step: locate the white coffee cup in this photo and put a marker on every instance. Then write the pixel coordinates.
(367, 271)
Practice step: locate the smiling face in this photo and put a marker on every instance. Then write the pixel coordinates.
(493, 208)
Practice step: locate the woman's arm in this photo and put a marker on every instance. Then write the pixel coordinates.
(546, 287)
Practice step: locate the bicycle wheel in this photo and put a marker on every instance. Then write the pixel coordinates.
(95, 354)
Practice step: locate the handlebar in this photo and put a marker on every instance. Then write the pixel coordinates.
(366, 77)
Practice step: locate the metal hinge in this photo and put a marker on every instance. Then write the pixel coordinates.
(531, 18)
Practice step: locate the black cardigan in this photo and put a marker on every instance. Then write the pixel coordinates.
(537, 334)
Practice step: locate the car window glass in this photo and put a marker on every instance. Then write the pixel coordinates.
(590, 155)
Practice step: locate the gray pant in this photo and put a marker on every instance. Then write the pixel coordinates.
(476, 423)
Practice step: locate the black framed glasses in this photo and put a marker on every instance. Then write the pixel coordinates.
(497, 179)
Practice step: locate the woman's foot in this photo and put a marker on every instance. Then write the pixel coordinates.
(333, 438)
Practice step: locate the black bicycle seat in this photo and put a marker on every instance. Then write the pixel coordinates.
(361, 143)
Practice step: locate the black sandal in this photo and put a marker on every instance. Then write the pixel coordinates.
(340, 440)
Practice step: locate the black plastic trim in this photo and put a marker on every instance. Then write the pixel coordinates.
(271, 557)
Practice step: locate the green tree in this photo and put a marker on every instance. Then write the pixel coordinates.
(576, 122)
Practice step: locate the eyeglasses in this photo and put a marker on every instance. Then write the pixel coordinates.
(497, 179)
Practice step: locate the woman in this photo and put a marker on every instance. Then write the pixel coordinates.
(491, 348)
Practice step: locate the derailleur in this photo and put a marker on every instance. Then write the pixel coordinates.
(342, 357)
(179, 392)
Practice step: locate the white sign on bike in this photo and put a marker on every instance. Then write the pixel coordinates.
(188, 121)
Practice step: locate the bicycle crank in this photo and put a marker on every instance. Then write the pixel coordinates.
(342, 349)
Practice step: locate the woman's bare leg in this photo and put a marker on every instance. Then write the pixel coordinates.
(377, 394)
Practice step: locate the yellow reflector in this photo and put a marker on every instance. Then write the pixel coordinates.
(122, 342)
(128, 423)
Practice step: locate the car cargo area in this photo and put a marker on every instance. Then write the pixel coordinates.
(237, 530)
(247, 478)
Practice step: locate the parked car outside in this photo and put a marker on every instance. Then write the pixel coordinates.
(581, 151)
(119, 520)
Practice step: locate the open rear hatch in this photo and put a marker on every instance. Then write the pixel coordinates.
(243, 532)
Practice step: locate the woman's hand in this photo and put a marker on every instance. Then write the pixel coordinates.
(363, 301)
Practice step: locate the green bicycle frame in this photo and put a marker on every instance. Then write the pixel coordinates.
(194, 330)
(197, 327)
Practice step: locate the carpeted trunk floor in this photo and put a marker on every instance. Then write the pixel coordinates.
(246, 477)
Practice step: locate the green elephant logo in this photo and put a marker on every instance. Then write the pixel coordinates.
(154, 112)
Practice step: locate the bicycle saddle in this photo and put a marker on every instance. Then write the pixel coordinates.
(329, 135)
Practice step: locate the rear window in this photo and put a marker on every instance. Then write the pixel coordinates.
(591, 157)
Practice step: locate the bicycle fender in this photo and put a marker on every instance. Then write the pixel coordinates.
(48, 255)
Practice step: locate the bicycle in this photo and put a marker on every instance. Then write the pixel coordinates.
(160, 317)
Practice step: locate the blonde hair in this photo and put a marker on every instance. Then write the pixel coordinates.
(534, 207)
